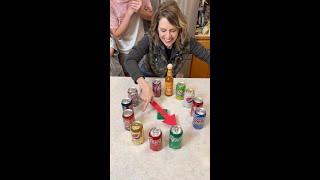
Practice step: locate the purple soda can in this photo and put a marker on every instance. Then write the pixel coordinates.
(156, 87)
(199, 118)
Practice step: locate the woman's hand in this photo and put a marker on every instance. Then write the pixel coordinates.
(135, 4)
(146, 93)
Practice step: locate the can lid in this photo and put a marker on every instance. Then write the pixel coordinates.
(127, 112)
(181, 83)
(189, 90)
(197, 100)
(156, 81)
(201, 111)
(176, 130)
(136, 126)
(169, 66)
(126, 101)
(132, 89)
(155, 132)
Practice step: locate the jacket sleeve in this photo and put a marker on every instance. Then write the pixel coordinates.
(199, 51)
(135, 56)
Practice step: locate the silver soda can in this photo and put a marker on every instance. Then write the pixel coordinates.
(134, 96)
(188, 98)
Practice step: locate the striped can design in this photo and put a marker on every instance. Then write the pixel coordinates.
(199, 118)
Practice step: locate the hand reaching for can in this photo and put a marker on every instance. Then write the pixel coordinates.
(146, 93)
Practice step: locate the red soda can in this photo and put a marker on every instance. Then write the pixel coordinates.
(155, 138)
(197, 102)
(156, 87)
(128, 118)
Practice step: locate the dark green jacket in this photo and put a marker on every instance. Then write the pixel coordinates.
(157, 60)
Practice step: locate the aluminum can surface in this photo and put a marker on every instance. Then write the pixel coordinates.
(199, 118)
(126, 103)
(175, 137)
(134, 96)
(137, 132)
(156, 87)
(180, 89)
(188, 98)
(197, 102)
(155, 138)
(128, 118)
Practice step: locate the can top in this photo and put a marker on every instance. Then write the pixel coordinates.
(181, 83)
(197, 100)
(176, 130)
(133, 90)
(136, 126)
(127, 112)
(169, 66)
(189, 90)
(126, 101)
(201, 111)
(155, 132)
(156, 81)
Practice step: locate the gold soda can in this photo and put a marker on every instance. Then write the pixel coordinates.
(137, 132)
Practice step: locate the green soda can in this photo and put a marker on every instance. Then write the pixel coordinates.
(175, 138)
(180, 89)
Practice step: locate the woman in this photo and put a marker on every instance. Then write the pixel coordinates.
(167, 43)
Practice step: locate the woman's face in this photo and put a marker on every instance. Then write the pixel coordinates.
(167, 33)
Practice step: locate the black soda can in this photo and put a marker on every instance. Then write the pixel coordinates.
(126, 103)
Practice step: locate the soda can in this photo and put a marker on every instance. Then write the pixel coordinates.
(188, 98)
(126, 103)
(175, 137)
(180, 89)
(155, 138)
(128, 118)
(197, 102)
(137, 132)
(134, 96)
(156, 87)
(199, 118)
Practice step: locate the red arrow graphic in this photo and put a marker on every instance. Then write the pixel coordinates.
(168, 119)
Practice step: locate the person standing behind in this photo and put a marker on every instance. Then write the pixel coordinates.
(115, 67)
(126, 23)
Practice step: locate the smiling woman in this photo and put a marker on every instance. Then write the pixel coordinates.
(168, 42)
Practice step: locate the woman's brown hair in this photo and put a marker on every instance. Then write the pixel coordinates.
(171, 11)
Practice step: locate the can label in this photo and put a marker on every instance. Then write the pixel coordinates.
(128, 118)
(197, 102)
(134, 96)
(126, 103)
(155, 138)
(199, 118)
(175, 137)
(156, 87)
(137, 132)
(180, 89)
(188, 98)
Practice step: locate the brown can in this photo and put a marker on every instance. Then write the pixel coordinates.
(197, 102)
(128, 118)
(155, 138)
(137, 132)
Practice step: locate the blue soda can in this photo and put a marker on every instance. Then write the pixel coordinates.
(199, 117)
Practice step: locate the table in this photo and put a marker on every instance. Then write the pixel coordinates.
(138, 162)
